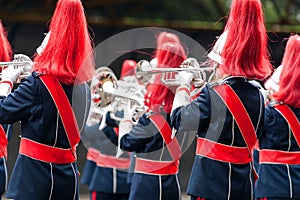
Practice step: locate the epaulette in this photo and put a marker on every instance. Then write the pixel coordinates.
(273, 103)
(256, 84)
(213, 84)
(149, 114)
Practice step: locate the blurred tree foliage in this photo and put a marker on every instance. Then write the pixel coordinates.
(280, 15)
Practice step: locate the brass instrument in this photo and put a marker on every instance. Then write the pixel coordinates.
(144, 72)
(20, 60)
(113, 95)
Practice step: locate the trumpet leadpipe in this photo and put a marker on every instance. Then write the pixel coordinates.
(16, 63)
(167, 70)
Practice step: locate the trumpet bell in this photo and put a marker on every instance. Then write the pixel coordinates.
(102, 87)
(142, 67)
(110, 94)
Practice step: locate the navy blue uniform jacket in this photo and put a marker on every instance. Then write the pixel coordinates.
(32, 105)
(278, 180)
(108, 180)
(146, 141)
(211, 119)
(3, 166)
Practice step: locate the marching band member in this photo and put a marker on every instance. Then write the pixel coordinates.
(90, 139)
(106, 172)
(51, 104)
(5, 130)
(157, 158)
(109, 179)
(279, 163)
(228, 114)
(162, 38)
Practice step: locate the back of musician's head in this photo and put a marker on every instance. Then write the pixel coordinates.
(171, 55)
(128, 68)
(165, 37)
(289, 84)
(246, 48)
(68, 54)
(5, 47)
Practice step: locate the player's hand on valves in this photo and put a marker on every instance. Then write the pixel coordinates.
(129, 111)
(126, 123)
(11, 73)
(28, 64)
(185, 78)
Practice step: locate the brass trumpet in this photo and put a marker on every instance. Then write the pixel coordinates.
(16, 63)
(107, 91)
(20, 62)
(144, 72)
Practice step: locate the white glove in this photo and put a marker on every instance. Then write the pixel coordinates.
(11, 73)
(103, 120)
(126, 123)
(9, 76)
(23, 58)
(125, 127)
(182, 97)
(185, 78)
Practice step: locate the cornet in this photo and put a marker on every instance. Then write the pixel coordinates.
(107, 91)
(144, 72)
(20, 60)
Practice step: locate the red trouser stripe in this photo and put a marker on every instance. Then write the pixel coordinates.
(3, 143)
(156, 167)
(112, 162)
(279, 157)
(222, 152)
(46, 153)
(94, 195)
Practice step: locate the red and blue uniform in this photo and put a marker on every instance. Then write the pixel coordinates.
(89, 166)
(32, 105)
(105, 172)
(222, 166)
(6, 131)
(279, 163)
(109, 179)
(92, 141)
(156, 169)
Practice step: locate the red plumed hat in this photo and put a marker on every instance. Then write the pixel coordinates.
(245, 52)
(128, 68)
(68, 54)
(289, 84)
(171, 55)
(5, 47)
(165, 37)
